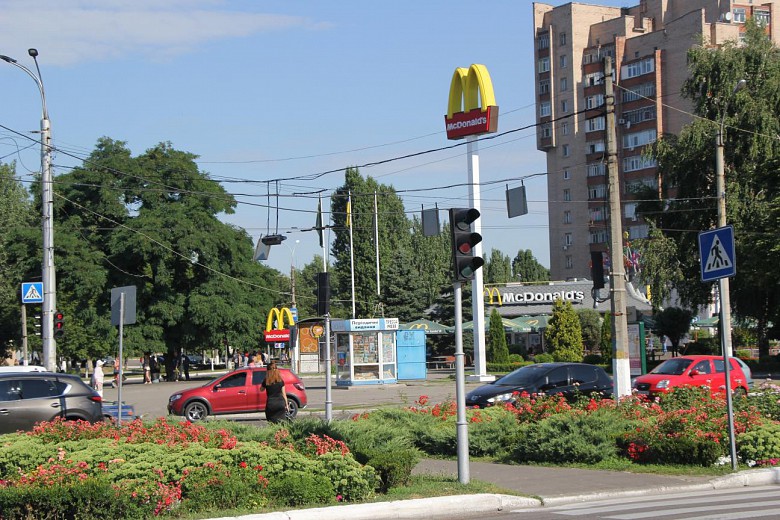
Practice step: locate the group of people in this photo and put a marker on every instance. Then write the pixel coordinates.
(254, 359)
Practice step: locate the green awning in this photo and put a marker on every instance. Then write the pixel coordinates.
(428, 326)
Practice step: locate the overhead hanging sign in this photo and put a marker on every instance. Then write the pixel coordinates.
(472, 108)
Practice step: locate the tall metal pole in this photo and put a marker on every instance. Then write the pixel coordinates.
(723, 283)
(47, 266)
(461, 423)
(621, 368)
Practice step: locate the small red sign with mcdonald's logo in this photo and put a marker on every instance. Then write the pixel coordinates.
(277, 336)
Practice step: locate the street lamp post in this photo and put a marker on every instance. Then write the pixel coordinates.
(292, 272)
(48, 274)
(723, 283)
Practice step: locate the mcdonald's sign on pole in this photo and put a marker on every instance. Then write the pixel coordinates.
(472, 105)
(280, 334)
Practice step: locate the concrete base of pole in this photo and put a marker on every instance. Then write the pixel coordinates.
(487, 378)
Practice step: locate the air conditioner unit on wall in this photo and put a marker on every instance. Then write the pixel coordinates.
(621, 121)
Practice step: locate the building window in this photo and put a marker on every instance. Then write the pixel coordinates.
(762, 18)
(544, 109)
(565, 128)
(564, 84)
(546, 131)
(569, 262)
(594, 101)
(567, 239)
(636, 232)
(739, 15)
(544, 86)
(637, 162)
(564, 106)
(638, 92)
(543, 42)
(598, 237)
(630, 211)
(635, 186)
(594, 78)
(566, 175)
(638, 68)
(567, 195)
(599, 191)
(596, 169)
(544, 64)
(598, 214)
(594, 147)
(562, 38)
(562, 60)
(639, 138)
(594, 124)
(565, 150)
(567, 217)
(639, 115)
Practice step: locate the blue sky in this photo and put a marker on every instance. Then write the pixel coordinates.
(267, 90)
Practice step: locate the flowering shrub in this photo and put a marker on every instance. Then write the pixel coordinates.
(761, 444)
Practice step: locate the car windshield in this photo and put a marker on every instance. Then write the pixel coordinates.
(673, 367)
(523, 376)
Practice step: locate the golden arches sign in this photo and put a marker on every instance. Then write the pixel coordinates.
(279, 315)
(472, 105)
(423, 326)
(489, 292)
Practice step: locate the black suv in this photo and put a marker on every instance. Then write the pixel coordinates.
(567, 379)
(27, 398)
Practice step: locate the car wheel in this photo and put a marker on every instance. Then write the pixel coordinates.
(196, 411)
(740, 392)
(292, 408)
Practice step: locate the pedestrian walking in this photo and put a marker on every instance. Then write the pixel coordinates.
(185, 366)
(115, 382)
(97, 377)
(276, 404)
(147, 364)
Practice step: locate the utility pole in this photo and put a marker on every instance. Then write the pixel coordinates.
(621, 369)
(47, 266)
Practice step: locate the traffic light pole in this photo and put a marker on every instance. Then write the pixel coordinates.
(460, 389)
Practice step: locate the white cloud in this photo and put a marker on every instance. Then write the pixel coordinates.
(72, 32)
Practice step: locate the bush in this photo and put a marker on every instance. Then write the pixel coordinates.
(765, 400)
(760, 444)
(506, 367)
(574, 437)
(593, 359)
(515, 358)
(299, 488)
(491, 431)
(393, 467)
(543, 358)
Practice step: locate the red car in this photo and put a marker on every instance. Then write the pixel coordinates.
(239, 391)
(704, 371)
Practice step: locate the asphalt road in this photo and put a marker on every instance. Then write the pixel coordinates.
(150, 401)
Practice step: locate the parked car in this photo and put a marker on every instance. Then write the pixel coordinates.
(704, 371)
(747, 371)
(111, 411)
(567, 379)
(29, 397)
(236, 392)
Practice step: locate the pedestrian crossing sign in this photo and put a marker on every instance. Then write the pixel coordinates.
(716, 253)
(32, 292)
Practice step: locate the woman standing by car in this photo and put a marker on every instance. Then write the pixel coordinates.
(276, 405)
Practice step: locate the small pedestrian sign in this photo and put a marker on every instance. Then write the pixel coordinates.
(716, 251)
(32, 292)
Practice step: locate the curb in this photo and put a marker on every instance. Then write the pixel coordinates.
(444, 507)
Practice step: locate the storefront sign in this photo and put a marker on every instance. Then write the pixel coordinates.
(472, 105)
(493, 296)
(365, 325)
(277, 335)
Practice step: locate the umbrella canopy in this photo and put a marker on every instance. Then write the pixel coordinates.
(708, 322)
(532, 322)
(509, 325)
(430, 327)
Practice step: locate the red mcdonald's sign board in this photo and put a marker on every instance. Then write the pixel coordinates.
(277, 336)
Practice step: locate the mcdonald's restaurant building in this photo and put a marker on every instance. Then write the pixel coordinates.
(534, 304)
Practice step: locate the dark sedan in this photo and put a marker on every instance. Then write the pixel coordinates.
(567, 379)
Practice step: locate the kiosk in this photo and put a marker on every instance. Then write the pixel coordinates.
(365, 351)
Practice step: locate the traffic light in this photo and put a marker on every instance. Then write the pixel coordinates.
(464, 263)
(323, 294)
(597, 269)
(59, 324)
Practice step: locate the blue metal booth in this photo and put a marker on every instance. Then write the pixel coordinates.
(365, 351)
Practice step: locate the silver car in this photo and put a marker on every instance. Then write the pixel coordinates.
(27, 398)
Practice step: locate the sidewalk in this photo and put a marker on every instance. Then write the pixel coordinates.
(540, 486)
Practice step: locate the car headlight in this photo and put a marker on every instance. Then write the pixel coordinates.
(500, 397)
(174, 397)
(663, 383)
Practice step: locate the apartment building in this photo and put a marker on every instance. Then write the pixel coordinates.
(648, 44)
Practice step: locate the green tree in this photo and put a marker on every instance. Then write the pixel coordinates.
(563, 335)
(590, 323)
(498, 268)
(752, 155)
(525, 268)
(660, 270)
(674, 323)
(497, 349)
(605, 344)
